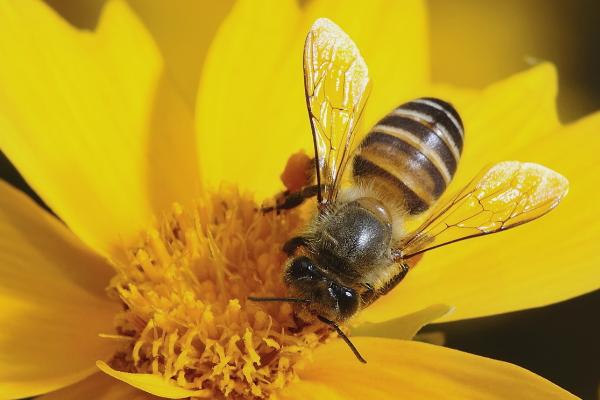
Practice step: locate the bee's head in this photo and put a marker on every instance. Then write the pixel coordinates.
(328, 298)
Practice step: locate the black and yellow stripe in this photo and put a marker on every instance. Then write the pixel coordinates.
(413, 152)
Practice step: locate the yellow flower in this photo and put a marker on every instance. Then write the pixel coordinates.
(98, 124)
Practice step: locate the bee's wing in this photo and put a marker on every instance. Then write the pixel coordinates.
(501, 197)
(336, 83)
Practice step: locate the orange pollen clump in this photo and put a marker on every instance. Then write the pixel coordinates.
(184, 293)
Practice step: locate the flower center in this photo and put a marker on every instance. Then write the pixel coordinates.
(184, 293)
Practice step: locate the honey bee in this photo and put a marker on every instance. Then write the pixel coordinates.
(356, 247)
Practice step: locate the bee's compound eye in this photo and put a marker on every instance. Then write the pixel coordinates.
(302, 268)
(346, 299)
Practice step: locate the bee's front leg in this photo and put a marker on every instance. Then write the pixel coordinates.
(292, 245)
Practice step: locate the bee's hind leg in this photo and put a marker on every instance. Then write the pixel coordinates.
(287, 200)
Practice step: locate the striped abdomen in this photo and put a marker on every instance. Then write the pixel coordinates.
(412, 153)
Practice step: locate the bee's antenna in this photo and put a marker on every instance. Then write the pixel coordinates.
(343, 336)
(282, 299)
(321, 318)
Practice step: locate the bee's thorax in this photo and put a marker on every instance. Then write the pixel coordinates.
(353, 238)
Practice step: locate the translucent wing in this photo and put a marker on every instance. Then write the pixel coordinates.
(336, 84)
(503, 196)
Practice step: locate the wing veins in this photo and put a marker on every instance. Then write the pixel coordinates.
(336, 80)
(525, 191)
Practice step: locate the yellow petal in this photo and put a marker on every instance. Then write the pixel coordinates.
(405, 327)
(91, 121)
(434, 337)
(461, 98)
(152, 384)
(251, 111)
(83, 14)
(546, 261)
(99, 387)
(505, 117)
(183, 30)
(52, 301)
(308, 390)
(411, 370)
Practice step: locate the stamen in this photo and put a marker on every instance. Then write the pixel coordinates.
(185, 295)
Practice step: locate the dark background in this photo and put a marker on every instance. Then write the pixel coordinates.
(474, 43)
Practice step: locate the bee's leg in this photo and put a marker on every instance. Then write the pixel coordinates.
(299, 179)
(291, 245)
(370, 295)
(287, 200)
(396, 279)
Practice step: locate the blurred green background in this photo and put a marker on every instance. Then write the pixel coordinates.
(474, 43)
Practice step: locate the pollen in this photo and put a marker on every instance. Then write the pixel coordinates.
(184, 294)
